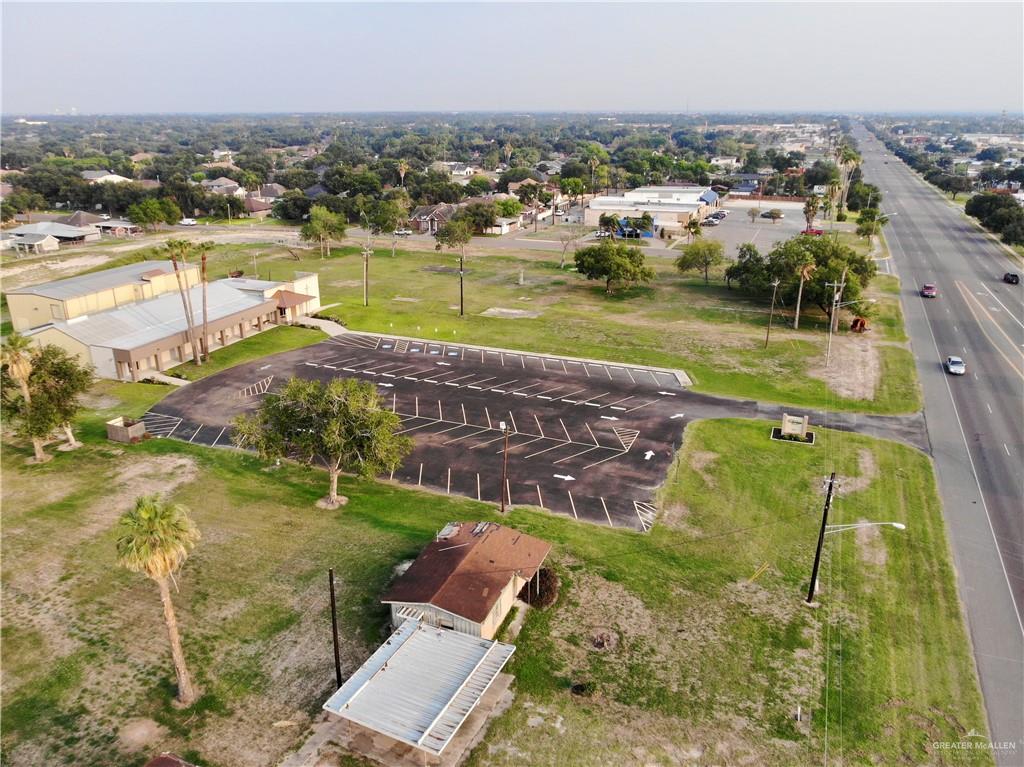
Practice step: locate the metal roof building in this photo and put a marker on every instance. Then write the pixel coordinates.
(85, 284)
(420, 685)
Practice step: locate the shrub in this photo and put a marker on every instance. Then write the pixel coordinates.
(543, 595)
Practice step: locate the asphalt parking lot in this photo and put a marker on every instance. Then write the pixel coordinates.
(588, 440)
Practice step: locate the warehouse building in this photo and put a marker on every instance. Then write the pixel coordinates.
(671, 207)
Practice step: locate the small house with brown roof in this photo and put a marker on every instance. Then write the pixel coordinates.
(467, 579)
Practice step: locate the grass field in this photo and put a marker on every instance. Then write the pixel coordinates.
(714, 334)
(700, 657)
(279, 339)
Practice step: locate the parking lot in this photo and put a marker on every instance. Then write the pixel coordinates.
(588, 440)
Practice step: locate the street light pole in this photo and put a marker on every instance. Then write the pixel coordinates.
(504, 465)
(771, 314)
(821, 537)
(462, 300)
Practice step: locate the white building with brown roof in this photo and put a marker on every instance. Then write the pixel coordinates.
(467, 579)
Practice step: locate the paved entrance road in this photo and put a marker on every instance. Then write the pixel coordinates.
(975, 422)
(588, 440)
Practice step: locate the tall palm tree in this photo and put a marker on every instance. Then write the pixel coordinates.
(154, 539)
(693, 230)
(16, 354)
(810, 210)
(403, 168)
(806, 270)
(177, 250)
(507, 149)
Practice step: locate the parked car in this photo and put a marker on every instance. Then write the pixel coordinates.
(718, 215)
(768, 214)
(813, 232)
(602, 233)
(710, 222)
(956, 366)
(1011, 278)
(187, 222)
(929, 291)
(723, 212)
(105, 216)
(402, 232)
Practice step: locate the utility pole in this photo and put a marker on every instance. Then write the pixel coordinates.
(771, 314)
(462, 295)
(821, 537)
(837, 292)
(255, 273)
(334, 628)
(504, 465)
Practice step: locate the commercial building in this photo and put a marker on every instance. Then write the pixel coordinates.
(671, 207)
(130, 321)
(467, 578)
(65, 235)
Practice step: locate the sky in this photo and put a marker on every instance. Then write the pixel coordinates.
(667, 57)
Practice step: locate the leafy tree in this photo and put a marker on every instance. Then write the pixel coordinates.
(775, 214)
(750, 270)
(478, 185)
(154, 539)
(322, 226)
(572, 188)
(20, 201)
(59, 379)
(225, 205)
(569, 235)
(480, 215)
(292, 206)
(752, 214)
(1013, 233)
(870, 222)
(33, 419)
(693, 230)
(147, 213)
(701, 255)
(295, 178)
(508, 208)
(342, 425)
(455, 234)
(169, 211)
(954, 184)
(613, 262)
(609, 222)
(516, 174)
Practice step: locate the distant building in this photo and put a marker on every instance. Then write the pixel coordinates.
(468, 578)
(427, 219)
(725, 163)
(66, 235)
(223, 185)
(671, 207)
(34, 243)
(103, 177)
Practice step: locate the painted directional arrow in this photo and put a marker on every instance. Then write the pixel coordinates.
(677, 415)
(566, 477)
(668, 393)
(446, 364)
(648, 455)
(386, 384)
(609, 418)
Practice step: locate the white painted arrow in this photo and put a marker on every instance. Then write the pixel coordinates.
(386, 385)
(677, 415)
(566, 477)
(667, 393)
(446, 364)
(648, 455)
(609, 418)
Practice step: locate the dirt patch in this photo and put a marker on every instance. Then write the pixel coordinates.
(870, 545)
(346, 283)
(137, 734)
(854, 368)
(406, 300)
(510, 314)
(699, 461)
(867, 471)
(38, 271)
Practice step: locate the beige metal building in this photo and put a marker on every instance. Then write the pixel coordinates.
(467, 579)
(151, 334)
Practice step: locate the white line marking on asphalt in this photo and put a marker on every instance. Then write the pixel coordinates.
(1003, 305)
(1006, 448)
(989, 408)
(225, 429)
(420, 480)
(478, 486)
(540, 498)
(605, 507)
(573, 504)
(196, 433)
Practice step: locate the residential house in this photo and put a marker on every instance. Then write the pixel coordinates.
(270, 191)
(467, 578)
(103, 177)
(257, 207)
(118, 227)
(725, 163)
(222, 155)
(316, 191)
(457, 170)
(81, 218)
(223, 185)
(427, 219)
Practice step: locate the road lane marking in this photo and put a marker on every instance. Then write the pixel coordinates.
(989, 408)
(1006, 448)
(1002, 305)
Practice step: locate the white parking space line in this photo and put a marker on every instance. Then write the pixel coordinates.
(605, 507)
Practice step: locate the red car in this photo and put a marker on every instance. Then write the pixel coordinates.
(814, 232)
(929, 291)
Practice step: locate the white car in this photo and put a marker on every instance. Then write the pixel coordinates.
(955, 366)
(402, 232)
(187, 222)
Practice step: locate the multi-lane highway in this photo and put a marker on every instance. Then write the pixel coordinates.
(975, 422)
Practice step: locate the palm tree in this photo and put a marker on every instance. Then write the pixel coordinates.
(810, 210)
(507, 149)
(806, 270)
(154, 539)
(16, 355)
(403, 168)
(693, 230)
(179, 249)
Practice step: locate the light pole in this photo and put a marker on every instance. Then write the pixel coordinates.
(462, 295)
(827, 529)
(504, 464)
(367, 252)
(771, 314)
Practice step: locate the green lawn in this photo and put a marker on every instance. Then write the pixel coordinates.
(279, 339)
(701, 657)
